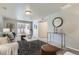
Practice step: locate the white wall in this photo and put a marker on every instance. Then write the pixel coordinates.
(70, 28)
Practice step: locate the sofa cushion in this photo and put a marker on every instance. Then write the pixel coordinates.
(3, 40)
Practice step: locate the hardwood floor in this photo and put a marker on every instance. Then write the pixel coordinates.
(68, 50)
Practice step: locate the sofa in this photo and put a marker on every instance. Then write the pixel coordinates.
(7, 47)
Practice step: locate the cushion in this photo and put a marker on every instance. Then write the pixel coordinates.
(3, 40)
(11, 36)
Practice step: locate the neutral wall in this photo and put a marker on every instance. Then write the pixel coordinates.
(70, 28)
(1, 25)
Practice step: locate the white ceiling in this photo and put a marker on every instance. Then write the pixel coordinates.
(45, 9)
(39, 10)
(74, 8)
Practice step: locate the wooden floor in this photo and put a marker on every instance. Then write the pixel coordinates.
(61, 52)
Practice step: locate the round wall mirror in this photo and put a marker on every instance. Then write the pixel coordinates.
(57, 22)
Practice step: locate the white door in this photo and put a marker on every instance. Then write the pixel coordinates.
(42, 29)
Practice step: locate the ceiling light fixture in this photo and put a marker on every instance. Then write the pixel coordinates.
(28, 12)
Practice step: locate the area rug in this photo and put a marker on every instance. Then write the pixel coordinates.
(34, 48)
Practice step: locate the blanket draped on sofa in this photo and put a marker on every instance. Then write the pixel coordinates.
(9, 49)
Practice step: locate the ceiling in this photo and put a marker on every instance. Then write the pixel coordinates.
(74, 8)
(45, 9)
(39, 10)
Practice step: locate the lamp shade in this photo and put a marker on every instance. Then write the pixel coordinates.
(6, 30)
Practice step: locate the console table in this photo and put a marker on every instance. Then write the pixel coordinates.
(56, 39)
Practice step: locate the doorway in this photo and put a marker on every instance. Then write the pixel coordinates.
(42, 29)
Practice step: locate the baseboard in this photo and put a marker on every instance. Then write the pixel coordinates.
(73, 48)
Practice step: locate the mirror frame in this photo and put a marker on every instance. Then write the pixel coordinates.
(58, 25)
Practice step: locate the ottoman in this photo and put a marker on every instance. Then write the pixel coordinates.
(48, 49)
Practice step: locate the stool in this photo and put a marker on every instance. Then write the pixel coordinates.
(49, 49)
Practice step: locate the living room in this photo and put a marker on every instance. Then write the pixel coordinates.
(38, 28)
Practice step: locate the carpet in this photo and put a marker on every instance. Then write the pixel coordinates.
(34, 48)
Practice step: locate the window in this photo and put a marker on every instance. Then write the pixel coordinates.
(23, 28)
